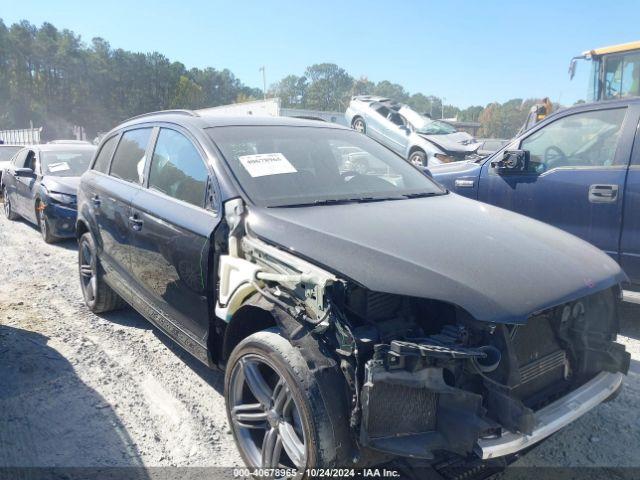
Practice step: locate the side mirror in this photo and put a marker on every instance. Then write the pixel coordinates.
(24, 172)
(512, 161)
(405, 129)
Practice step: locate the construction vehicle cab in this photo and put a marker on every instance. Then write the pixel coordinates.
(615, 71)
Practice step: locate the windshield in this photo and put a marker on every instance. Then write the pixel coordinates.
(285, 166)
(7, 152)
(434, 127)
(71, 163)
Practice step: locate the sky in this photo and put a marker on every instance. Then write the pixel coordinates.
(469, 52)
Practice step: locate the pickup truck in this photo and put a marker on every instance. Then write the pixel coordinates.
(578, 170)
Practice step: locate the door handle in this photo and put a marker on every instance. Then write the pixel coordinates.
(603, 193)
(95, 199)
(135, 222)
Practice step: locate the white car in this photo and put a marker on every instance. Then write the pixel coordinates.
(419, 139)
(6, 154)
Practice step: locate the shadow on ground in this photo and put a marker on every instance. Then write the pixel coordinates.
(128, 317)
(51, 423)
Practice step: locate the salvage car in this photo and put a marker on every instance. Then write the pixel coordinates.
(421, 140)
(41, 183)
(6, 154)
(576, 170)
(259, 247)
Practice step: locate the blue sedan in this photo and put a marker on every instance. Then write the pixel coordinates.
(41, 183)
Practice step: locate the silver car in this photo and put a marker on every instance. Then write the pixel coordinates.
(419, 139)
(6, 154)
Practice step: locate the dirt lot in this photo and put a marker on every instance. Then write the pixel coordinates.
(80, 390)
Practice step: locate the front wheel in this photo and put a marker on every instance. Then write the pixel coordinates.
(275, 407)
(43, 224)
(359, 125)
(418, 158)
(8, 206)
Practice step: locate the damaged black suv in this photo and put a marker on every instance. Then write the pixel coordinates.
(361, 311)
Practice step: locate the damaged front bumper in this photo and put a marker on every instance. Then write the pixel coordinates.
(61, 219)
(553, 417)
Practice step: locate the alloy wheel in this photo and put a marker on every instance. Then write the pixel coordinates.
(88, 272)
(264, 415)
(358, 126)
(417, 160)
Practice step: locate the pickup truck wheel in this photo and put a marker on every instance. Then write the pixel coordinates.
(8, 207)
(98, 296)
(418, 158)
(273, 405)
(359, 125)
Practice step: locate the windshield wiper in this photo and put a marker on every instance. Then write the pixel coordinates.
(341, 201)
(424, 194)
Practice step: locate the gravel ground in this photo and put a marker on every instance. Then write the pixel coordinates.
(81, 390)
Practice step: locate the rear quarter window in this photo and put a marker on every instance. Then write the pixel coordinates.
(104, 156)
(129, 159)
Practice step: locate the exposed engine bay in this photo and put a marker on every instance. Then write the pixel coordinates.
(425, 377)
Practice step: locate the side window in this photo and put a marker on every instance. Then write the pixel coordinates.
(128, 162)
(19, 159)
(177, 169)
(588, 139)
(104, 157)
(384, 111)
(30, 162)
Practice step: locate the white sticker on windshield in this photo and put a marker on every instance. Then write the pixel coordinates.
(59, 167)
(265, 164)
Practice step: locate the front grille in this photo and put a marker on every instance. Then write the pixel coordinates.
(542, 363)
(543, 366)
(399, 409)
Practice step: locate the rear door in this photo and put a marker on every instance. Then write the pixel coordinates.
(174, 219)
(576, 174)
(110, 196)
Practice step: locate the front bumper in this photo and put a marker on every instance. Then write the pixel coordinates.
(553, 417)
(61, 219)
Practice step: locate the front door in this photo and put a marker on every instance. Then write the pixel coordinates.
(171, 240)
(630, 238)
(25, 186)
(575, 177)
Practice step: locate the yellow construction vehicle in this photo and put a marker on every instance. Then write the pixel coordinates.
(615, 71)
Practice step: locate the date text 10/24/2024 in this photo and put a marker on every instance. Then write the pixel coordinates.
(316, 473)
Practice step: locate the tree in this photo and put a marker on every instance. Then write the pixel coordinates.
(291, 90)
(362, 86)
(329, 87)
(50, 77)
(391, 90)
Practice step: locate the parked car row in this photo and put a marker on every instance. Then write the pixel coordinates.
(361, 311)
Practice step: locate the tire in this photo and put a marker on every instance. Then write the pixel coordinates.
(98, 296)
(418, 158)
(359, 125)
(43, 225)
(8, 207)
(282, 372)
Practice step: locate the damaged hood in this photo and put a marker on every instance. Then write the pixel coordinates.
(68, 185)
(453, 142)
(497, 265)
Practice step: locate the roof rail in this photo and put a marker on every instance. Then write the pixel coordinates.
(190, 113)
